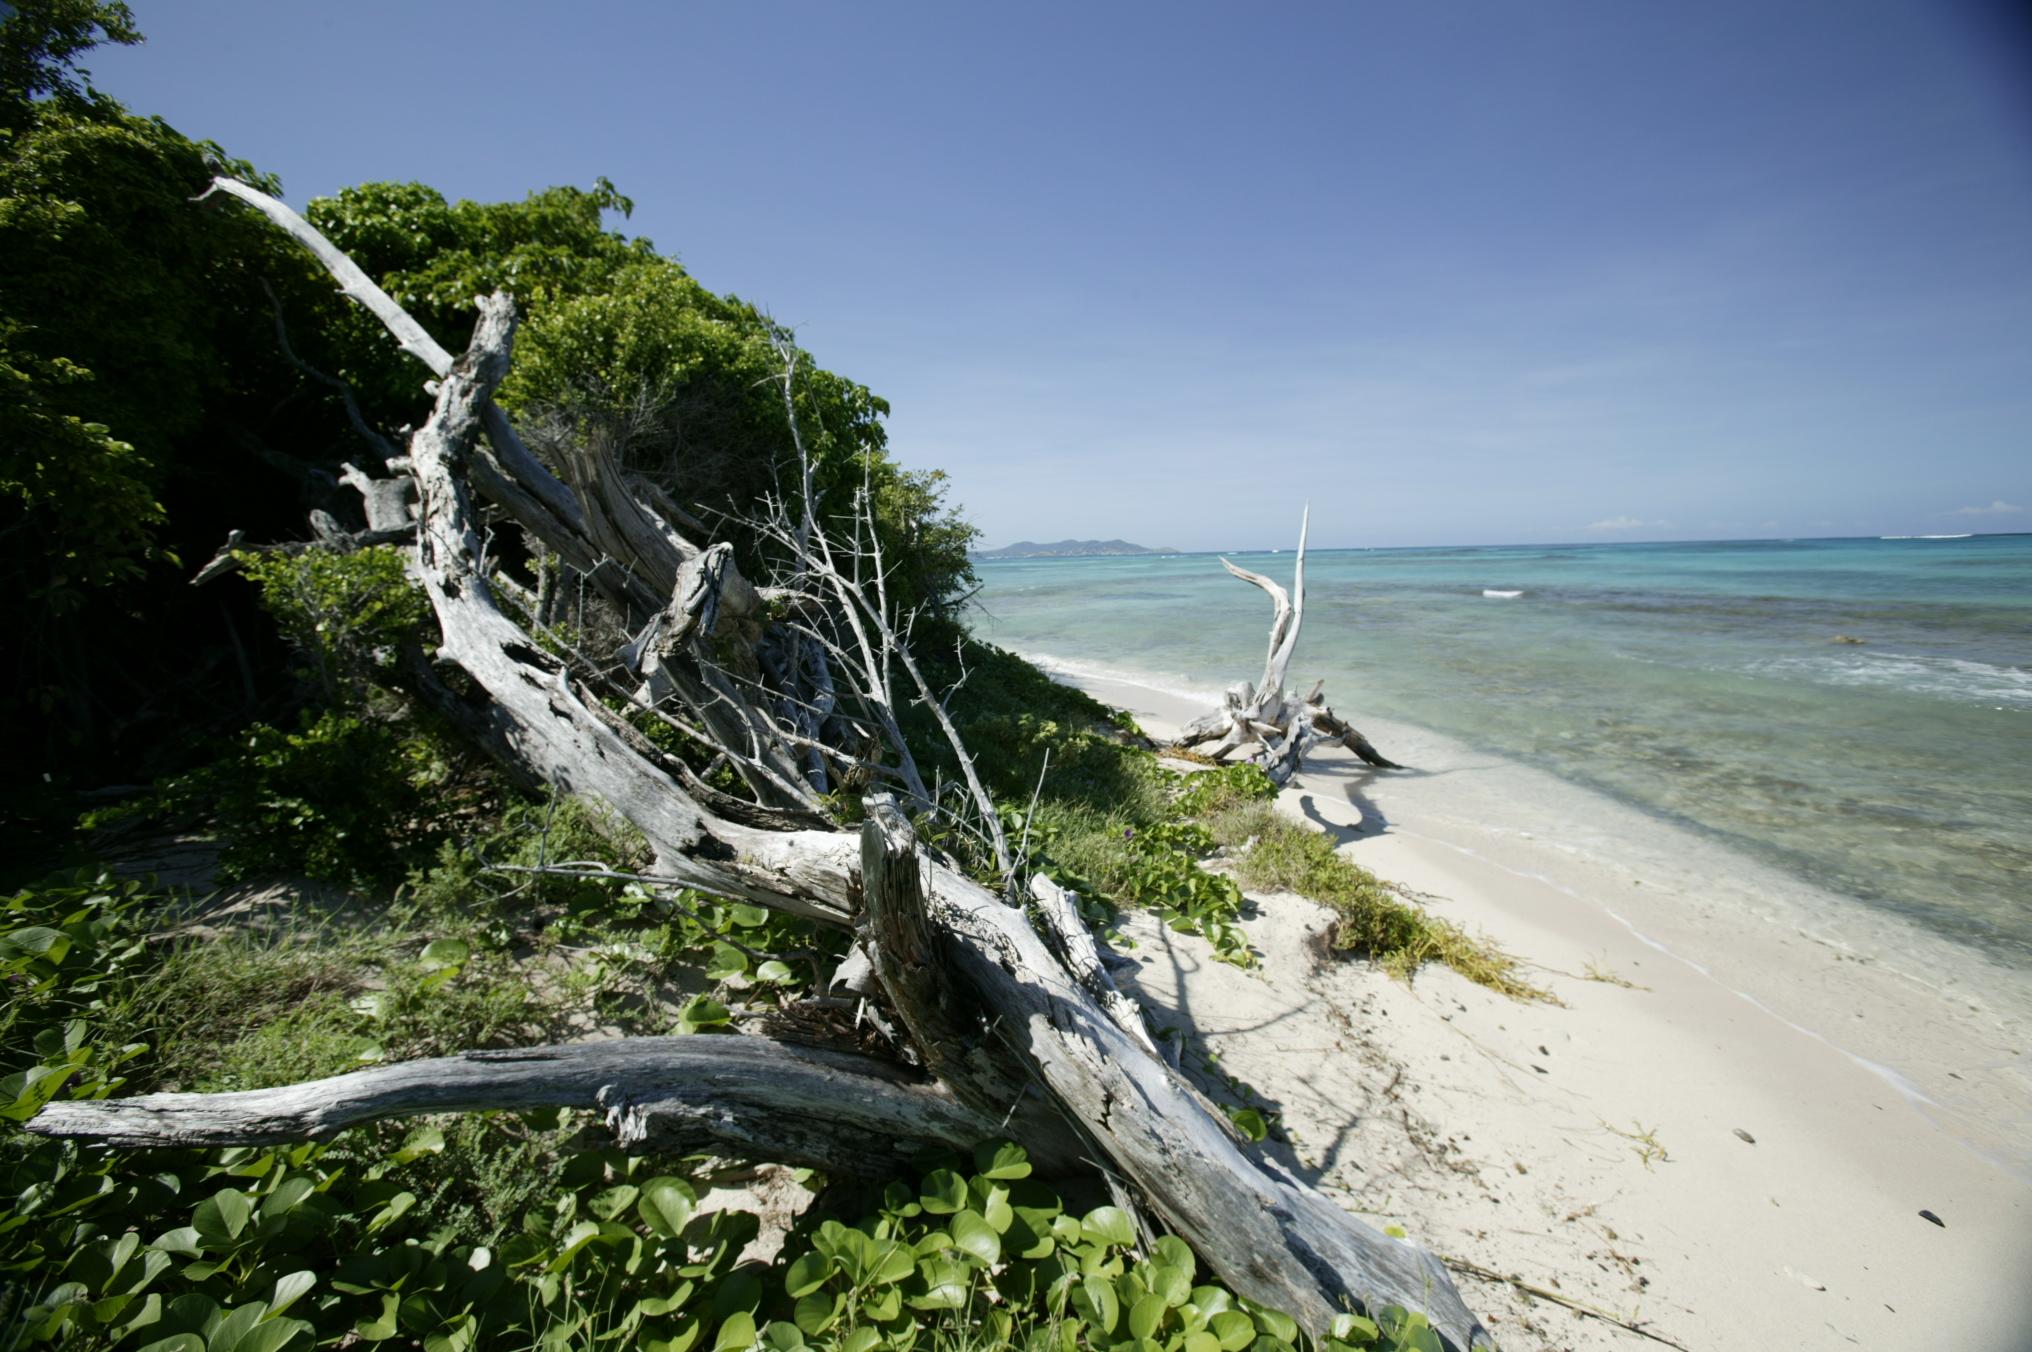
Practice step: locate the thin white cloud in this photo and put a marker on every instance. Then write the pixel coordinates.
(1621, 523)
(1997, 507)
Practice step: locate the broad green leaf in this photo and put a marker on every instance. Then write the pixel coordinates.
(1109, 1225)
(288, 1195)
(884, 1304)
(737, 1333)
(775, 972)
(944, 1192)
(184, 1241)
(973, 1235)
(675, 1298)
(1352, 1328)
(726, 962)
(665, 1205)
(995, 1209)
(290, 1289)
(1247, 1121)
(702, 1011)
(269, 1335)
(39, 940)
(1276, 1323)
(817, 1311)
(615, 1200)
(175, 1342)
(1170, 1283)
(945, 1285)
(1201, 1341)
(1005, 1163)
(1095, 1298)
(783, 1337)
(1145, 1316)
(806, 1275)
(423, 1141)
(1235, 1330)
(862, 1339)
(681, 1341)
(441, 953)
(891, 1261)
(221, 1218)
(1175, 1252)
(748, 915)
(398, 1207)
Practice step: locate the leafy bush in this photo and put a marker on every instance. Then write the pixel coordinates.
(347, 614)
(346, 797)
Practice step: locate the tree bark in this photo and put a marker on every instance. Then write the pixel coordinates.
(1023, 1029)
(751, 1096)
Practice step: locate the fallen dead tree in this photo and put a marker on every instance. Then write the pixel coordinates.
(1262, 723)
(1012, 1025)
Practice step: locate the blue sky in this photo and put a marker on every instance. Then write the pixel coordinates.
(1458, 273)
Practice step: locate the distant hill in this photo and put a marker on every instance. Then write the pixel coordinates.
(1066, 549)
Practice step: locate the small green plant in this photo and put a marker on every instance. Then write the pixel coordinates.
(1644, 1141)
(1598, 969)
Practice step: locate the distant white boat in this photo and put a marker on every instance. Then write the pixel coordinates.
(1965, 535)
(1501, 595)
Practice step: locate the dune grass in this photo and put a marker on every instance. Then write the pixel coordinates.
(1288, 856)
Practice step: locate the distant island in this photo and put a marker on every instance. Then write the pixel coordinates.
(1066, 549)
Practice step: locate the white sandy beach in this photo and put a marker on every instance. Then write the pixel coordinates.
(1733, 1151)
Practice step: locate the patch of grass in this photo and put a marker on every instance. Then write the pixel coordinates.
(1598, 969)
(1644, 1140)
(204, 996)
(1290, 857)
(322, 1038)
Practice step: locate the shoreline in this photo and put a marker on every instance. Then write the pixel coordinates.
(1751, 1126)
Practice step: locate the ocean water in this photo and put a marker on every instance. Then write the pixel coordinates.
(1700, 683)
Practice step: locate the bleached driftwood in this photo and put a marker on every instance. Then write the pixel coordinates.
(1268, 726)
(744, 1095)
(1020, 1029)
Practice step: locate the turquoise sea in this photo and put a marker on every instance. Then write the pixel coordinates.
(1702, 683)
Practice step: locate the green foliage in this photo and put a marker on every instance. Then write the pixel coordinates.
(136, 348)
(1212, 792)
(622, 346)
(63, 950)
(40, 43)
(347, 797)
(87, 486)
(110, 288)
(345, 613)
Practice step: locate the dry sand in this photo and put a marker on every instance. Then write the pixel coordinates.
(1716, 1152)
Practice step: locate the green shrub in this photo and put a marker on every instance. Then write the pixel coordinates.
(347, 797)
(347, 614)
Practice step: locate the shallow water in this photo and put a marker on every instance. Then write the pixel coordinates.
(1699, 682)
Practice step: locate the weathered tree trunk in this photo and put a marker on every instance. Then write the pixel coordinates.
(1021, 1031)
(1269, 727)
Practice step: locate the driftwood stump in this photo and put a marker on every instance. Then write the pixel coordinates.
(1261, 723)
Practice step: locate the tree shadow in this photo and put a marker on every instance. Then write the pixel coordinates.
(1179, 1026)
